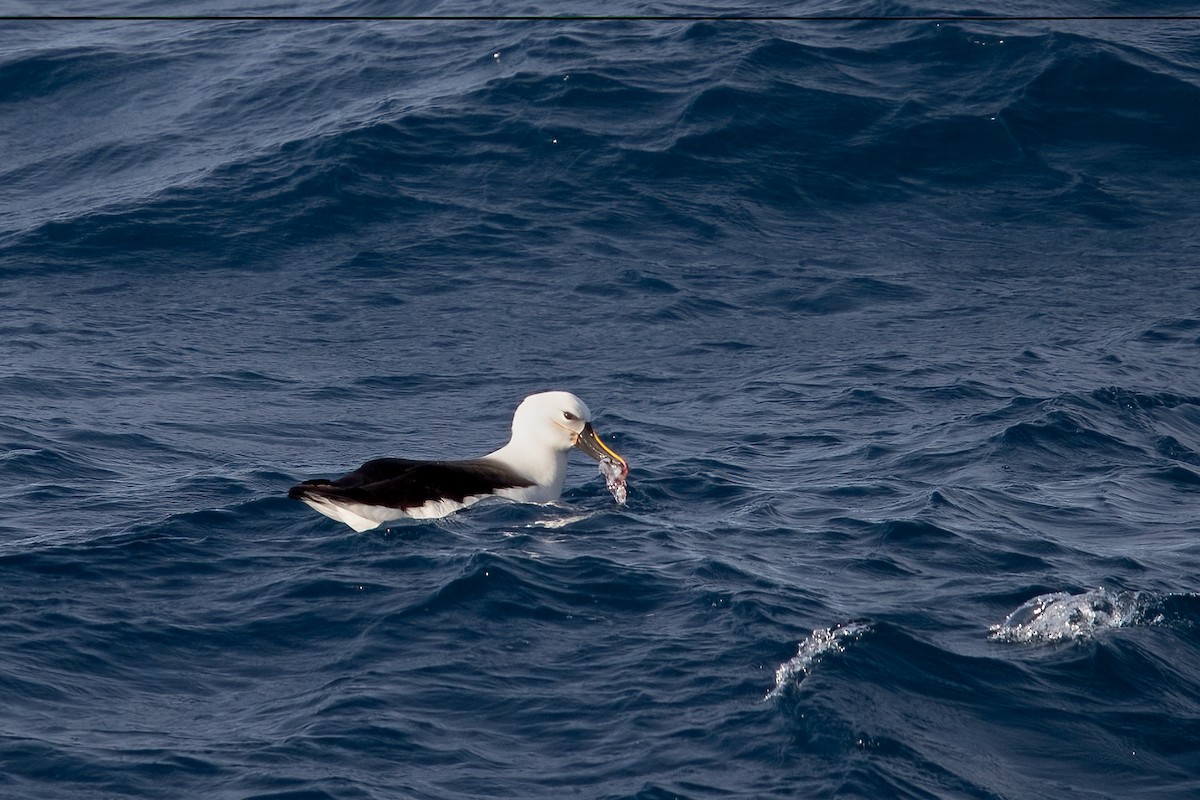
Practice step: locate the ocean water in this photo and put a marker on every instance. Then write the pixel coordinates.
(897, 323)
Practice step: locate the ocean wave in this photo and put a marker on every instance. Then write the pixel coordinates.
(1064, 436)
(889, 330)
(1108, 430)
(1144, 101)
(789, 123)
(1064, 617)
(820, 295)
(1185, 330)
(812, 650)
(498, 585)
(79, 71)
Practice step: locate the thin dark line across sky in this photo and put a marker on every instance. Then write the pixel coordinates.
(593, 18)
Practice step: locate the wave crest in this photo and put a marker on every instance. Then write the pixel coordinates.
(1066, 617)
(811, 650)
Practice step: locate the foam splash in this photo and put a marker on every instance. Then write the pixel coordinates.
(810, 652)
(559, 522)
(1065, 617)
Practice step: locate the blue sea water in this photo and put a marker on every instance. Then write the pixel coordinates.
(898, 324)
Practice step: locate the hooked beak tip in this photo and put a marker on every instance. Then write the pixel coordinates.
(589, 442)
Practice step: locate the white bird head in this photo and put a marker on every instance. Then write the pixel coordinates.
(560, 421)
(551, 419)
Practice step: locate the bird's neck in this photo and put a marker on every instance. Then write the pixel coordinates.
(543, 465)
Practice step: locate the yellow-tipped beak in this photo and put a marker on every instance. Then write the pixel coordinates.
(590, 443)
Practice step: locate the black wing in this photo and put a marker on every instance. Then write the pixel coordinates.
(404, 483)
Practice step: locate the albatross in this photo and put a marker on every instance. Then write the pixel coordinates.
(531, 468)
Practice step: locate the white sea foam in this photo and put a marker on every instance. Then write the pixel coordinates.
(810, 652)
(560, 522)
(1063, 617)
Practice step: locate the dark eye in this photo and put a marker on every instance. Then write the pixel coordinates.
(567, 415)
